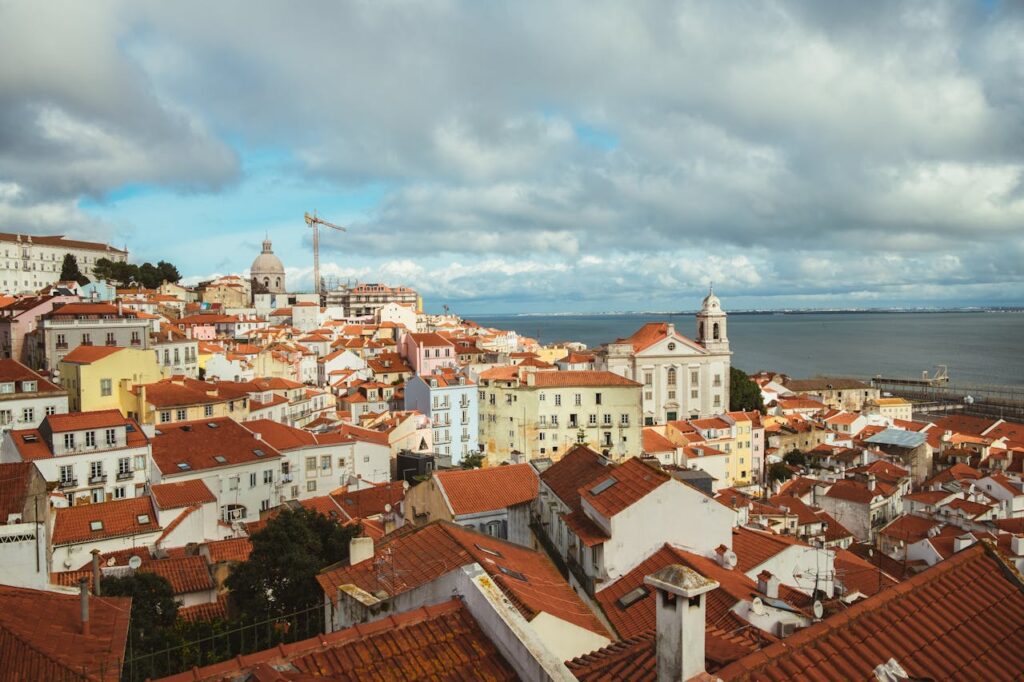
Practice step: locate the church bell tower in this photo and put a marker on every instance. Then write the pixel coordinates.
(711, 324)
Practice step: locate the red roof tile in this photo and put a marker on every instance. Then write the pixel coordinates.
(41, 639)
(181, 494)
(579, 466)
(961, 619)
(232, 549)
(14, 483)
(754, 547)
(441, 642)
(199, 446)
(360, 504)
(470, 491)
(585, 529)
(78, 421)
(117, 518)
(85, 355)
(185, 574)
(217, 610)
(631, 481)
(570, 378)
(14, 371)
(423, 554)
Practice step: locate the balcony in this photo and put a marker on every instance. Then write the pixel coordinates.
(136, 342)
(124, 475)
(465, 438)
(62, 346)
(102, 478)
(68, 483)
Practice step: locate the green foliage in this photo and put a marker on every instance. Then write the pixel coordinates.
(128, 274)
(795, 458)
(279, 577)
(473, 461)
(153, 618)
(69, 271)
(779, 471)
(744, 394)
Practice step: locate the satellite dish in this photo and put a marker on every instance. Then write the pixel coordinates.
(730, 559)
(757, 607)
(969, 400)
(819, 610)
(134, 562)
(387, 508)
(112, 561)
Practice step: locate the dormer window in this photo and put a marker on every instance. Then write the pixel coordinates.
(7, 387)
(95, 525)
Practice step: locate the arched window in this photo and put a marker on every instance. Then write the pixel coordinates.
(700, 330)
(714, 332)
(266, 282)
(277, 283)
(671, 376)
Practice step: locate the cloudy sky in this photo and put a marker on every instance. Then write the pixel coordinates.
(535, 156)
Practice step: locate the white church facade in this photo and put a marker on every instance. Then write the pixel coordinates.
(682, 378)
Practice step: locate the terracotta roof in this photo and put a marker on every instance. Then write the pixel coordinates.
(132, 516)
(441, 642)
(14, 371)
(961, 619)
(957, 472)
(185, 574)
(232, 549)
(181, 494)
(80, 421)
(588, 532)
(423, 554)
(359, 504)
(651, 333)
(217, 610)
(754, 547)
(962, 423)
(853, 491)
(630, 481)
(470, 491)
(14, 482)
(430, 339)
(655, 442)
(582, 377)
(60, 241)
(195, 446)
(579, 466)
(41, 639)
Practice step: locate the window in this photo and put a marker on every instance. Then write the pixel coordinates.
(606, 419)
(540, 396)
(95, 525)
(95, 470)
(268, 476)
(124, 466)
(90, 439)
(558, 399)
(51, 409)
(106, 387)
(252, 480)
(208, 410)
(717, 381)
(28, 415)
(110, 339)
(29, 386)
(140, 461)
(6, 416)
(632, 597)
(119, 493)
(310, 486)
(671, 395)
(182, 414)
(325, 463)
(86, 340)
(310, 464)
(694, 377)
(110, 437)
(624, 419)
(648, 378)
(69, 441)
(671, 376)
(541, 435)
(62, 341)
(96, 494)
(577, 399)
(592, 420)
(67, 474)
(554, 420)
(165, 416)
(718, 400)
(693, 394)
(648, 395)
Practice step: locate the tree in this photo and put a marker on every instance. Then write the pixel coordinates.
(744, 393)
(795, 458)
(69, 271)
(473, 460)
(168, 273)
(153, 620)
(149, 276)
(279, 578)
(779, 471)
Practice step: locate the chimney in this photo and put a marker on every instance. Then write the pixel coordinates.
(871, 482)
(96, 583)
(83, 589)
(768, 584)
(360, 550)
(962, 542)
(1017, 545)
(120, 308)
(681, 607)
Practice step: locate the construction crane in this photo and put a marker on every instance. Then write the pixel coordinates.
(315, 222)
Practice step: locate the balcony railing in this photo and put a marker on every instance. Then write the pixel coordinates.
(68, 483)
(102, 478)
(581, 575)
(124, 475)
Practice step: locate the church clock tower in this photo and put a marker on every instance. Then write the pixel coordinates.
(711, 324)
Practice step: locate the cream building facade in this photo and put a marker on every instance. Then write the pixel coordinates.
(682, 378)
(526, 414)
(30, 262)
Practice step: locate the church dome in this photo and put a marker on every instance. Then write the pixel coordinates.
(711, 303)
(268, 269)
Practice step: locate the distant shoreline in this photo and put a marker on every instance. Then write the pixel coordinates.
(783, 311)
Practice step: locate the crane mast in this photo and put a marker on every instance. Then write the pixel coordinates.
(315, 222)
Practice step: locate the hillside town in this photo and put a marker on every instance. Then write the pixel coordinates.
(495, 508)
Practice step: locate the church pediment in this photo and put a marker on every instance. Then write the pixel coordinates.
(675, 345)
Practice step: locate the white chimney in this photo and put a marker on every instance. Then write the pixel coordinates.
(768, 584)
(871, 482)
(360, 550)
(1017, 545)
(681, 607)
(962, 542)
(83, 590)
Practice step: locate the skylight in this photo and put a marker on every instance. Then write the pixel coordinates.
(184, 466)
(143, 519)
(632, 597)
(513, 574)
(30, 438)
(492, 552)
(602, 486)
(95, 525)
(213, 425)
(220, 459)
(259, 453)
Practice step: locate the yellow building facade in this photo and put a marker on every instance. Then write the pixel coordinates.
(101, 377)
